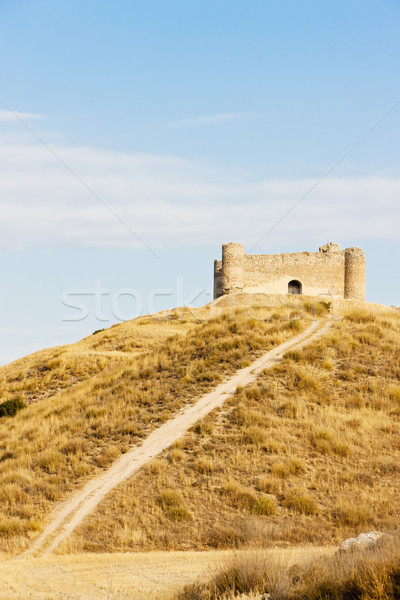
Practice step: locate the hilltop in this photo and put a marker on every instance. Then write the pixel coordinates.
(89, 402)
(307, 454)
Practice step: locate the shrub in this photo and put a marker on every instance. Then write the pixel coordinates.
(285, 469)
(203, 427)
(176, 455)
(393, 393)
(51, 460)
(241, 497)
(157, 466)
(289, 409)
(204, 465)
(295, 355)
(316, 308)
(82, 469)
(387, 466)
(170, 498)
(268, 484)
(9, 408)
(253, 393)
(274, 447)
(264, 506)
(360, 315)
(352, 514)
(255, 435)
(341, 449)
(292, 326)
(222, 536)
(310, 378)
(107, 456)
(245, 574)
(301, 503)
(179, 513)
(325, 442)
(322, 433)
(12, 526)
(74, 446)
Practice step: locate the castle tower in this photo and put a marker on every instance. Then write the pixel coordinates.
(354, 274)
(232, 268)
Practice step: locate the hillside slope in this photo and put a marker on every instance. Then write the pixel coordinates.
(90, 402)
(308, 454)
(47, 372)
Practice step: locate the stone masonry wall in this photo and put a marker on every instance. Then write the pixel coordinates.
(330, 272)
(218, 291)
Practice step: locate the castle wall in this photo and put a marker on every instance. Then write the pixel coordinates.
(329, 272)
(218, 290)
(318, 273)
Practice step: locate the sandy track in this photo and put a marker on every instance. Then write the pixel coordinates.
(71, 513)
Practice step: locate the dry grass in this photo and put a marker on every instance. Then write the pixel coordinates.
(372, 574)
(365, 575)
(48, 372)
(326, 453)
(52, 446)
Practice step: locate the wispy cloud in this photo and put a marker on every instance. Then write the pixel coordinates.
(172, 201)
(207, 119)
(9, 116)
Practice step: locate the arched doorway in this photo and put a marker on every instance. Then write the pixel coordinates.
(295, 287)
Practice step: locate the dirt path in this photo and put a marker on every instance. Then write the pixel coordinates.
(71, 514)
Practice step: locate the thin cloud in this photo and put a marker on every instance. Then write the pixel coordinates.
(9, 116)
(174, 202)
(207, 119)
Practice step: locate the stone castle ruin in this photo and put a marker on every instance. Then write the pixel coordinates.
(330, 272)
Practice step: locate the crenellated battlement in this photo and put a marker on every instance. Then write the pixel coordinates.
(329, 272)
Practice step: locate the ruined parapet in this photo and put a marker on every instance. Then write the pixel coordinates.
(232, 268)
(329, 248)
(218, 291)
(354, 274)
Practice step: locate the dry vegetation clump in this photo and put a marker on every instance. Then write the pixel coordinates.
(244, 574)
(54, 444)
(372, 574)
(9, 408)
(323, 458)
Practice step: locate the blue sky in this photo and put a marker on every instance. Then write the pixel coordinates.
(197, 123)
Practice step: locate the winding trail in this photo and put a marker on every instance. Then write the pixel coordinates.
(71, 513)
